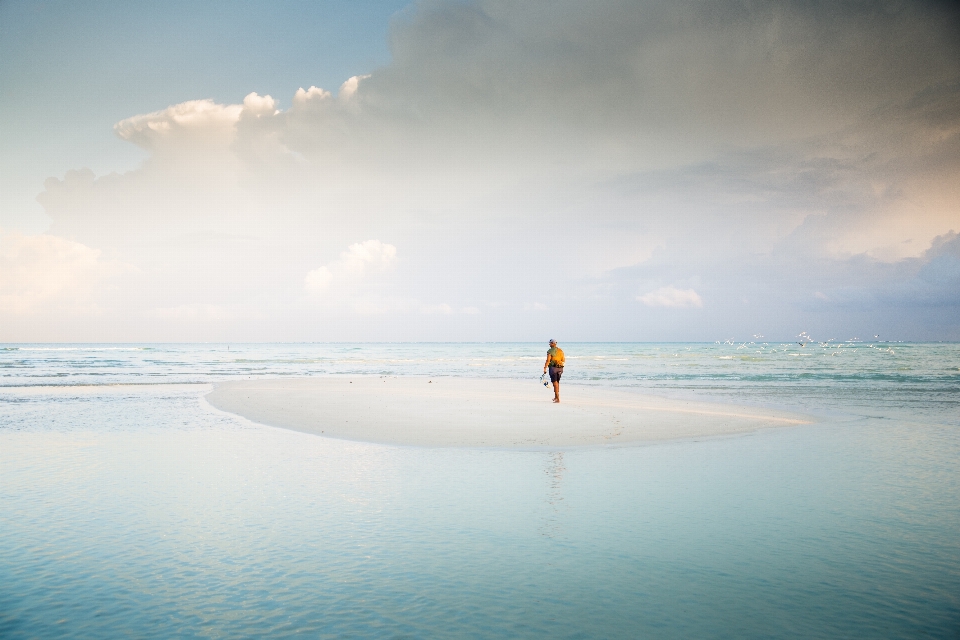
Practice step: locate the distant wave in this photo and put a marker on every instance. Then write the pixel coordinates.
(76, 348)
(164, 383)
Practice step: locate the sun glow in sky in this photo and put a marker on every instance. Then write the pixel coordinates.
(484, 170)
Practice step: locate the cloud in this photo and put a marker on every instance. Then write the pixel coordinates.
(44, 273)
(760, 153)
(671, 297)
(348, 272)
(302, 98)
(197, 124)
(318, 280)
(480, 81)
(607, 75)
(255, 105)
(934, 281)
(349, 88)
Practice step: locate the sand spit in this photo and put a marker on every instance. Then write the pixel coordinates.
(457, 412)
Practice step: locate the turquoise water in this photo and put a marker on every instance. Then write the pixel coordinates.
(128, 507)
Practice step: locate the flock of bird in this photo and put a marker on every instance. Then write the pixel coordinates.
(803, 339)
(806, 339)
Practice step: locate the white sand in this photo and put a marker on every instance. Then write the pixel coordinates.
(455, 412)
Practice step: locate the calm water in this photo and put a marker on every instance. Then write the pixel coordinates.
(128, 507)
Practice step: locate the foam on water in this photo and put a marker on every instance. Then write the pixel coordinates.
(135, 510)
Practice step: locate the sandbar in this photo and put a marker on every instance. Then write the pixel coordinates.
(457, 412)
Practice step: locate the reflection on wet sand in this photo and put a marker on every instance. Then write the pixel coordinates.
(554, 471)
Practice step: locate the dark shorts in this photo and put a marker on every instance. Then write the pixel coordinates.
(555, 373)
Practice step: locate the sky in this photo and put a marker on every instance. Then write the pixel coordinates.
(479, 170)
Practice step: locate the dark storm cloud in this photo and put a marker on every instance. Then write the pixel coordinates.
(722, 69)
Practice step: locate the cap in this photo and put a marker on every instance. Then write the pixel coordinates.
(552, 341)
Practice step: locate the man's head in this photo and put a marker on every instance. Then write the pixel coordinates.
(553, 342)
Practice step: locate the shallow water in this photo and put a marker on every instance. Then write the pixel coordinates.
(137, 510)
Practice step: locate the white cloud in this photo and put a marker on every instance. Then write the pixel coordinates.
(47, 273)
(671, 297)
(349, 88)
(185, 126)
(359, 260)
(370, 254)
(318, 280)
(256, 105)
(302, 98)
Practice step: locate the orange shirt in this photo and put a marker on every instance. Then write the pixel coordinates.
(555, 357)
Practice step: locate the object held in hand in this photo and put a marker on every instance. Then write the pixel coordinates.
(545, 379)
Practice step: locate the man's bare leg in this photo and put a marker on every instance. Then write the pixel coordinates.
(556, 392)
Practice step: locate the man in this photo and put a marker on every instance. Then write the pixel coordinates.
(555, 360)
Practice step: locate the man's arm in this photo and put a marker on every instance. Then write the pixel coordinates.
(546, 362)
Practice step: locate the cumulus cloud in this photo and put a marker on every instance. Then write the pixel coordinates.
(360, 260)
(49, 274)
(302, 98)
(672, 298)
(349, 88)
(198, 124)
(256, 105)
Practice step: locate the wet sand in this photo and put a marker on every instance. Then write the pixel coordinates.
(456, 412)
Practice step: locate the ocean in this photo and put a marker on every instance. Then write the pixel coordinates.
(131, 508)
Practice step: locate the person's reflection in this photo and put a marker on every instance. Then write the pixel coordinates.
(554, 472)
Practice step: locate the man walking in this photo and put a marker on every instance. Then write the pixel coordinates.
(555, 360)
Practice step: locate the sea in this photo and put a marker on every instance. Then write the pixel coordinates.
(130, 508)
